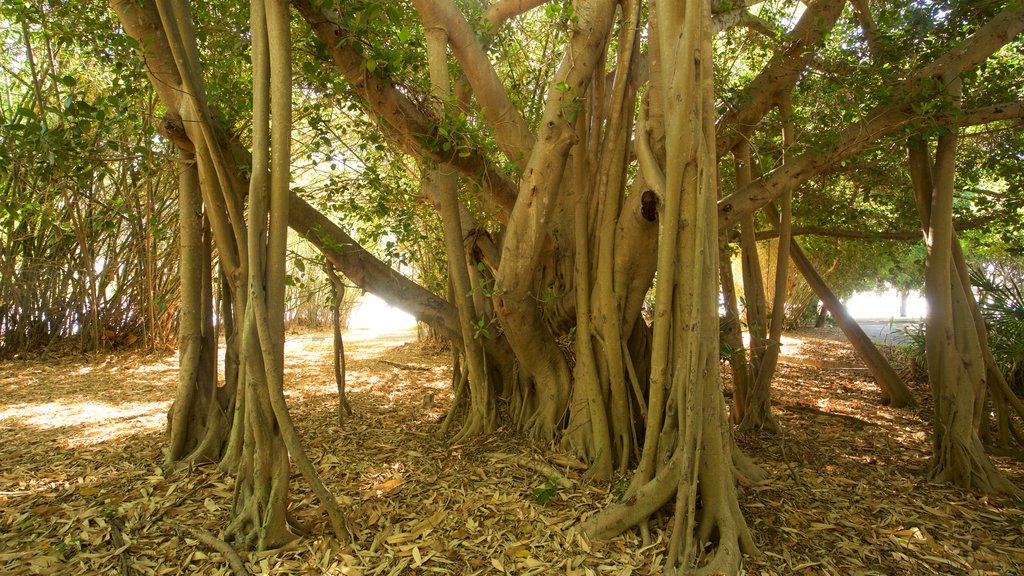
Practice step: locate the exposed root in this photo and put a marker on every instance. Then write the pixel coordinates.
(547, 471)
(225, 549)
(968, 467)
(636, 508)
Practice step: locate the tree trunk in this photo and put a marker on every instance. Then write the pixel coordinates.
(822, 316)
(337, 303)
(252, 254)
(441, 186)
(198, 418)
(687, 449)
(956, 362)
(732, 338)
(757, 413)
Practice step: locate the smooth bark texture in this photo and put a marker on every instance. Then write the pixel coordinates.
(757, 411)
(690, 450)
(441, 186)
(957, 367)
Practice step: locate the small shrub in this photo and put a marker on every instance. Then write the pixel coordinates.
(1002, 305)
(546, 492)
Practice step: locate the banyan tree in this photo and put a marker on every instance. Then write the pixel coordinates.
(617, 178)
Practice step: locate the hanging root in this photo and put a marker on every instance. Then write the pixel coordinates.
(460, 397)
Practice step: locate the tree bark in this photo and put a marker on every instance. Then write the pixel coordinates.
(757, 413)
(198, 411)
(441, 186)
(689, 451)
(956, 361)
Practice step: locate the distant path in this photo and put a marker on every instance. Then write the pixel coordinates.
(888, 331)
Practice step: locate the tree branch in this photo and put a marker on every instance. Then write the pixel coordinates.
(882, 120)
(398, 115)
(987, 114)
(505, 10)
(780, 74)
(510, 129)
(867, 25)
(868, 234)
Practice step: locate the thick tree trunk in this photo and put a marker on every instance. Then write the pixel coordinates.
(956, 361)
(197, 418)
(687, 449)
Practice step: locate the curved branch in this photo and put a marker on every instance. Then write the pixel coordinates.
(868, 234)
(510, 129)
(399, 116)
(505, 10)
(779, 75)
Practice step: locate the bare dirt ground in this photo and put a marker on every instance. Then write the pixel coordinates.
(82, 490)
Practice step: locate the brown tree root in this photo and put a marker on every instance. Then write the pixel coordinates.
(233, 558)
(969, 467)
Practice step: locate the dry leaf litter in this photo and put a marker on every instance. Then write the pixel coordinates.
(82, 490)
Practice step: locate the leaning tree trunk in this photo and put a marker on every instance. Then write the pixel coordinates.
(956, 362)
(894, 390)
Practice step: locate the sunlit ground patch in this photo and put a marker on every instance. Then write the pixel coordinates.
(88, 422)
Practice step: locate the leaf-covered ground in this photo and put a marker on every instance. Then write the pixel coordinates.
(82, 490)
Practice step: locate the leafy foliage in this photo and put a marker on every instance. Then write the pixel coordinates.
(1002, 305)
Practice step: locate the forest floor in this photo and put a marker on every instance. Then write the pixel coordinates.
(82, 490)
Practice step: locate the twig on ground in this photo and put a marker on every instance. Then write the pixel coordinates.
(542, 468)
(116, 526)
(406, 366)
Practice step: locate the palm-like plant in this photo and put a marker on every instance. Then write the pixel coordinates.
(1001, 300)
